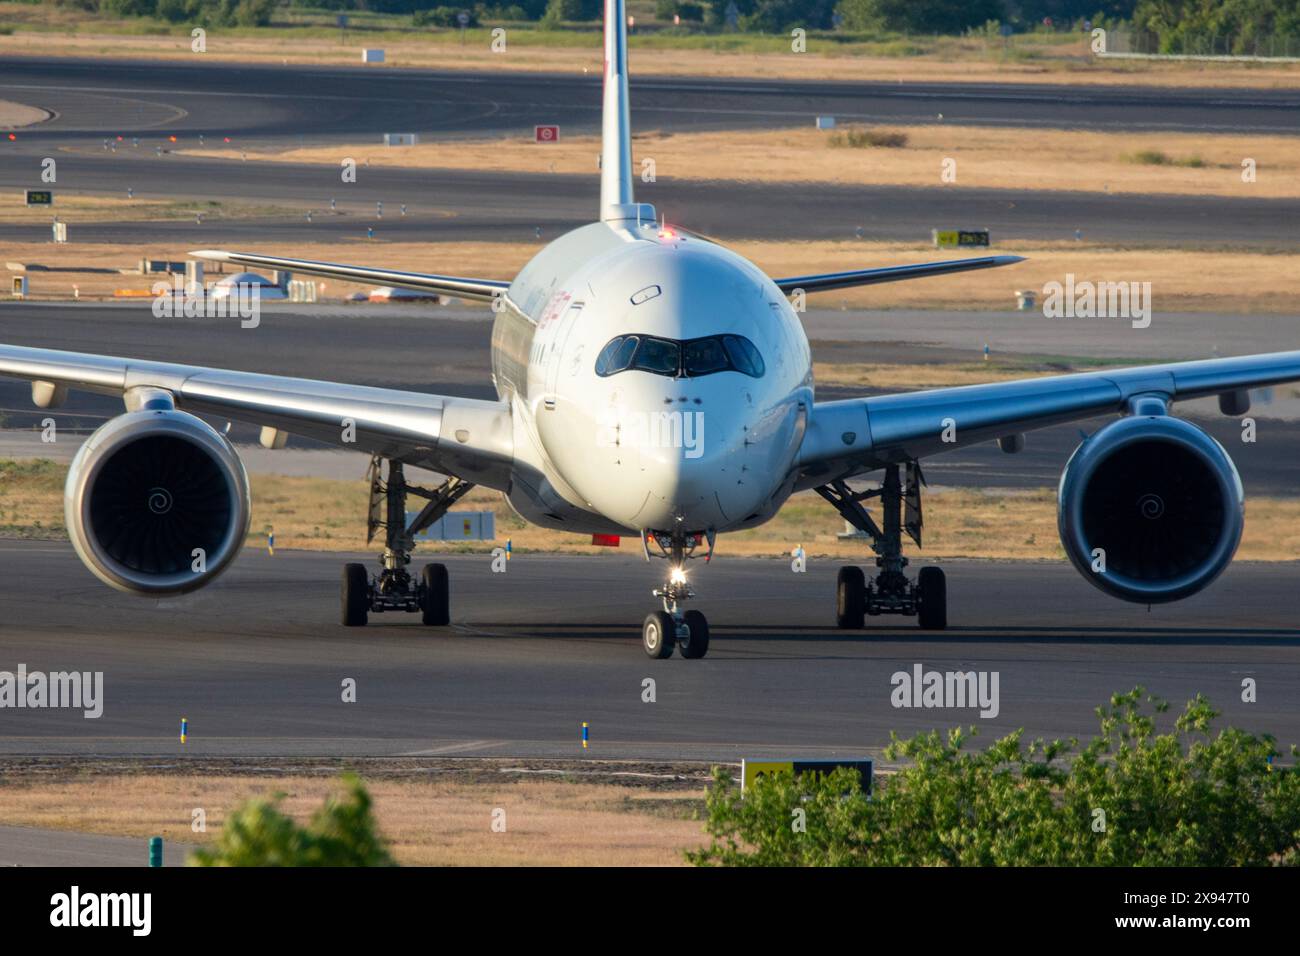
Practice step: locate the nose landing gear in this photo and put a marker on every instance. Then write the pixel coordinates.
(890, 592)
(686, 630)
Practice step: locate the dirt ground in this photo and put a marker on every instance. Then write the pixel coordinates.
(986, 157)
(433, 812)
(1182, 280)
(326, 514)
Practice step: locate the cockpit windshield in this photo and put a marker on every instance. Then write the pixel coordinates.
(691, 358)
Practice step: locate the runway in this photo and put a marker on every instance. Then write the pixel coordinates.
(33, 846)
(256, 662)
(250, 101)
(460, 205)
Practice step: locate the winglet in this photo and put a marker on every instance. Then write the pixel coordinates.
(616, 200)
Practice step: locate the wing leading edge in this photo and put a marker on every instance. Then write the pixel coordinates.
(469, 438)
(827, 281)
(857, 435)
(465, 288)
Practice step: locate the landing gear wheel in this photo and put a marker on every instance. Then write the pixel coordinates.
(932, 599)
(356, 595)
(658, 634)
(435, 595)
(850, 598)
(696, 644)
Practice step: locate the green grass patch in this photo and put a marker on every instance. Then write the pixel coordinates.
(1158, 157)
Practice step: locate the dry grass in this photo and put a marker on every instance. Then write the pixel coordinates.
(987, 157)
(71, 207)
(428, 822)
(61, 31)
(1182, 280)
(863, 375)
(326, 514)
(14, 115)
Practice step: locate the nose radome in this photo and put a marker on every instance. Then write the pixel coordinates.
(700, 479)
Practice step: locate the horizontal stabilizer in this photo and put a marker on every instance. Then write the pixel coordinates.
(478, 289)
(843, 280)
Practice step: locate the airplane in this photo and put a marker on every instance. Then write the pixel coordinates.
(650, 383)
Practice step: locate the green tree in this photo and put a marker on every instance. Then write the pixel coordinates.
(573, 11)
(343, 832)
(778, 16)
(919, 16)
(1131, 796)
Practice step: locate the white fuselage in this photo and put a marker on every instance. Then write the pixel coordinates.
(636, 449)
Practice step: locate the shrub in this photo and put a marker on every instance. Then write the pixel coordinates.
(862, 138)
(1130, 797)
(341, 833)
(572, 11)
(444, 17)
(1156, 157)
(689, 12)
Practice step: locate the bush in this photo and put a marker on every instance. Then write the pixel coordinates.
(860, 138)
(573, 11)
(1156, 157)
(919, 16)
(780, 16)
(444, 17)
(689, 12)
(254, 13)
(1183, 798)
(341, 833)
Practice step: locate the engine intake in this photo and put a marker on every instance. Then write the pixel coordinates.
(157, 502)
(1162, 501)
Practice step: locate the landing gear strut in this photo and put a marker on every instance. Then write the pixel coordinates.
(662, 630)
(890, 592)
(393, 588)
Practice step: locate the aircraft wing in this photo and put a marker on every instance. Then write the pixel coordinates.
(857, 435)
(469, 438)
(843, 280)
(478, 289)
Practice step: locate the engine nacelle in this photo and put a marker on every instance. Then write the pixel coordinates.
(157, 502)
(1162, 501)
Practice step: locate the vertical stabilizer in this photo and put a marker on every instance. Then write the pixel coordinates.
(616, 130)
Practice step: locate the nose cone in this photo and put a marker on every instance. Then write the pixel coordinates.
(691, 453)
(691, 490)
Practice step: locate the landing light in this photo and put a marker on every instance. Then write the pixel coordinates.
(677, 576)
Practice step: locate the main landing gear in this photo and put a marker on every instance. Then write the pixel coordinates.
(890, 592)
(662, 630)
(393, 588)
